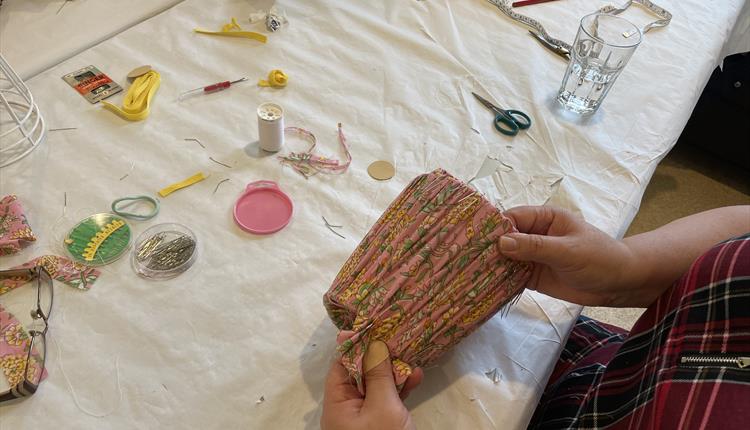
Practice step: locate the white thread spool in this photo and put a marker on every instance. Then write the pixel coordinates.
(271, 127)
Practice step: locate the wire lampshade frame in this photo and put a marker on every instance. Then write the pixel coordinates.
(21, 123)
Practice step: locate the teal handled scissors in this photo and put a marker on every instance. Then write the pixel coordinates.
(507, 122)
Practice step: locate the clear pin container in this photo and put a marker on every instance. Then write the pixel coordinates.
(164, 251)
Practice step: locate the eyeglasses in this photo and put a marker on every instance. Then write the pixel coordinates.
(29, 375)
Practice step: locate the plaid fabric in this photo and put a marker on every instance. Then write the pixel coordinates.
(608, 378)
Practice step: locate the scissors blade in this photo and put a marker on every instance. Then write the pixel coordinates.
(559, 50)
(486, 103)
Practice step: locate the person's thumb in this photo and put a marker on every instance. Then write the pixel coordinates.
(380, 388)
(532, 247)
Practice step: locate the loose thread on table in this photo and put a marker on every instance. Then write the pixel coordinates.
(63, 129)
(331, 225)
(132, 165)
(73, 391)
(505, 309)
(62, 6)
(219, 162)
(192, 139)
(56, 239)
(192, 328)
(218, 185)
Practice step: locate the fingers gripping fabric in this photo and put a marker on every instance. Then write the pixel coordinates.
(427, 274)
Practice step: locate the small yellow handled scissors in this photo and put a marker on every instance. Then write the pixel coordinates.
(507, 122)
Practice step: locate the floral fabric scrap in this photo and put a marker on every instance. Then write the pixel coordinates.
(15, 232)
(61, 269)
(426, 275)
(13, 352)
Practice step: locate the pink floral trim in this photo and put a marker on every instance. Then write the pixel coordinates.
(15, 232)
(61, 269)
(13, 351)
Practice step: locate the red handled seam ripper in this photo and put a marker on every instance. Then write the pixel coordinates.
(212, 88)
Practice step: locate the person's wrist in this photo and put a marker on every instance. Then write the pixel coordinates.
(632, 275)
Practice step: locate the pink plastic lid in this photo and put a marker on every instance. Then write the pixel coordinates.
(263, 208)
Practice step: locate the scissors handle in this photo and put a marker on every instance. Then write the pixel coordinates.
(506, 125)
(521, 119)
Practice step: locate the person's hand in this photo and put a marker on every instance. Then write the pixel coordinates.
(381, 407)
(575, 261)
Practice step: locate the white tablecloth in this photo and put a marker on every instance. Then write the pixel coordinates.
(247, 320)
(739, 38)
(34, 36)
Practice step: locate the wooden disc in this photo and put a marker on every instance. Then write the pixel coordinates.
(138, 71)
(381, 170)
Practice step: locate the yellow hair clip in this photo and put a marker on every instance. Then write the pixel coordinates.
(276, 79)
(234, 30)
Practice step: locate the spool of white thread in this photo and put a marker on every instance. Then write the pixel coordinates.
(271, 127)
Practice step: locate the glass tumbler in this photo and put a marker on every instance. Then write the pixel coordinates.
(602, 48)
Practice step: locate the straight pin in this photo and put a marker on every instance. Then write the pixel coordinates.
(219, 162)
(219, 184)
(192, 139)
(331, 227)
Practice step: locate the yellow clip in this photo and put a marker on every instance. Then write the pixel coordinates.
(182, 184)
(234, 30)
(136, 105)
(276, 79)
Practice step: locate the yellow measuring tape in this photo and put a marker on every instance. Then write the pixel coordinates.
(135, 106)
(182, 184)
(234, 30)
(276, 79)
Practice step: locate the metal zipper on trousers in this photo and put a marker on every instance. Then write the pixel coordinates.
(715, 360)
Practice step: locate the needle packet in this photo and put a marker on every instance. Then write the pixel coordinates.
(92, 84)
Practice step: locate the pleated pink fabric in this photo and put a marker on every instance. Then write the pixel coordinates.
(427, 274)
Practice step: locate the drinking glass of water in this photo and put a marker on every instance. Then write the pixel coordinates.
(602, 48)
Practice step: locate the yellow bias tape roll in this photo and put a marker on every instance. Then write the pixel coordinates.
(276, 79)
(234, 30)
(137, 102)
(182, 184)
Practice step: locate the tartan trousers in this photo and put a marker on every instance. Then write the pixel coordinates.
(682, 366)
